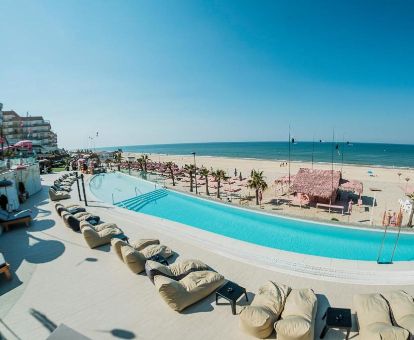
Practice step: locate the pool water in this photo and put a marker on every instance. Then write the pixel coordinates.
(263, 229)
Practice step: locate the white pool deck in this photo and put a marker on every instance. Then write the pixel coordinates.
(58, 279)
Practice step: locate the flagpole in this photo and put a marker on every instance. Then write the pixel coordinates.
(289, 155)
(313, 148)
(332, 161)
(343, 148)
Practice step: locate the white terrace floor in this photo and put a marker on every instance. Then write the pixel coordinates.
(58, 279)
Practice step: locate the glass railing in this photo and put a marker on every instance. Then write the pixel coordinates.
(12, 162)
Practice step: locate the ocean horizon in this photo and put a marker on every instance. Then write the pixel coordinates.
(370, 154)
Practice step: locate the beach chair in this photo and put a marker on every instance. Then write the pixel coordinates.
(402, 309)
(71, 208)
(73, 220)
(136, 259)
(58, 195)
(5, 267)
(258, 319)
(175, 271)
(138, 245)
(298, 316)
(98, 227)
(96, 239)
(197, 285)
(9, 219)
(374, 319)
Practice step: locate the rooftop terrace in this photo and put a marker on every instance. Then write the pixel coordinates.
(59, 279)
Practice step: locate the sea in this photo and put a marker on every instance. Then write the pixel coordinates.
(368, 154)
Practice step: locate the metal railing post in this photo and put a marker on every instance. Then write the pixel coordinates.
(77, 184)
(83, 189)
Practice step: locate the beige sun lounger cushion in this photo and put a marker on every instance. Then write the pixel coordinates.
(137, 245)
(98, 238)
(98, 227)
(191, 289)
(81, 216)
(57, 196)
(402, 308)
(298, 316)
(135, 260)
(258, 318)
(175, 271)
(374, 319)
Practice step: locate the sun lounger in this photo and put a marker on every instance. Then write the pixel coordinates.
(374, 319)
(259, 318)
(5, 267)
(178, 295)
(9, 219)
(71, 208)
(98, 227)
(73, 220)
(402, 309)
(175, 271)
(135, 260)
(298, 316)
(138, 245)
(61, 188)
(58, 195)
(96, 239)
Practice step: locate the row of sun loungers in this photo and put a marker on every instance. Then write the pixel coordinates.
(61, 187)
(290, 313)
(95, 232)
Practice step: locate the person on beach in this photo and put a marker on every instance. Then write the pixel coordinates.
(350, 204)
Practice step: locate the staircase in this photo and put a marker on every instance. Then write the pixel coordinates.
(138, 202)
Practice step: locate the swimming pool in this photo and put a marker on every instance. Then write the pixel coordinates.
(267, 230)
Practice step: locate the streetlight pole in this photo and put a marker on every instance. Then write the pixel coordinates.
(195, 171)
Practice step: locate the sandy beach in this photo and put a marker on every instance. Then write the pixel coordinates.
(389, 186)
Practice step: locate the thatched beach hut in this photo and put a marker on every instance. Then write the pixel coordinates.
(321, 186)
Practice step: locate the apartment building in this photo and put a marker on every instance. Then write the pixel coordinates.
(33, 128)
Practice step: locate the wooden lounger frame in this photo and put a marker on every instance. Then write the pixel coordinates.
(6, 271)
(25, 220)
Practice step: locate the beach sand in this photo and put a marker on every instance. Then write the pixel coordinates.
(391, 185)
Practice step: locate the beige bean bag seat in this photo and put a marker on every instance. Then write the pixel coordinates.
(175, 271)
(98, 227)
(374, 319)
(298, 316)
(402, 308)
(258, 318)
(57, 195)
(72, 208)
(191, 289)
(135, 260)
(98, 238)
(138, 245)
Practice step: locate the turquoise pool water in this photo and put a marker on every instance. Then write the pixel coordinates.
(250, 226)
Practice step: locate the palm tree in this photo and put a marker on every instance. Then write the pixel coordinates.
(205, 172)
(410, 219)
(219, 175)
(170, 167)
(144, 161)
(190, 168)
(257, 183)
(118, 156)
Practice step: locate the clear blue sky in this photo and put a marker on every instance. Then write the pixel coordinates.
(143, 72)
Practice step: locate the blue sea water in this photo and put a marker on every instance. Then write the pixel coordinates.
(371, 154)
(250, 226)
